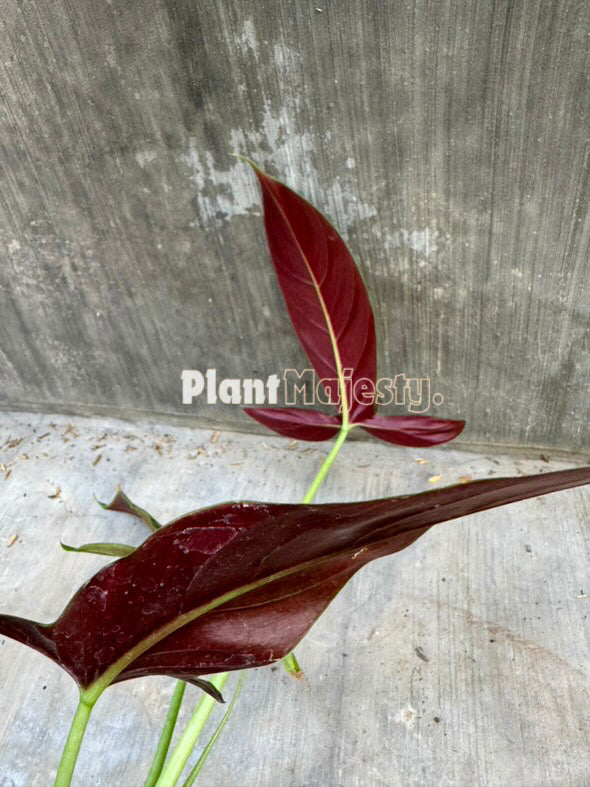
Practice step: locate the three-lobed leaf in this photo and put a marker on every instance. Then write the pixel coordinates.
(329, 307)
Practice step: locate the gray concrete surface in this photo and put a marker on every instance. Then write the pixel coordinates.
(448, 141)
(464, 660)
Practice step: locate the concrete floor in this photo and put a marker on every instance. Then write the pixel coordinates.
(464, 660)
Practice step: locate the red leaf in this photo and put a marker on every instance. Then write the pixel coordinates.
(325, 295)
(414, 430)
(297, 424)
(238, 585)
(330, 310)
(121, 503)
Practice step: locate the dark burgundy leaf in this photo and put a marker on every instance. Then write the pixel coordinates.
(325, 295)
(237, 585)
(206, 686)
(414, 430)
(297, 424)
(331, 313)
(122, 503)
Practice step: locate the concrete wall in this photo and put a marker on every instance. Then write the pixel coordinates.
(448, 141)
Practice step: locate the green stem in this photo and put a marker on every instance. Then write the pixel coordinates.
(291, 665)
(186, 744)
(326, 465)
(166, 735)
(201, 761)
(289, 661)
(69, 756)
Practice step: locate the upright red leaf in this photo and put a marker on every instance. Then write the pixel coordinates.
(325, 295)
(331, 313)
(237, 585)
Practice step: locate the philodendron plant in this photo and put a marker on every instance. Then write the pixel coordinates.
(237, 585)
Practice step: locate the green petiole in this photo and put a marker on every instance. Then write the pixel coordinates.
(166, 734)
(175, 765)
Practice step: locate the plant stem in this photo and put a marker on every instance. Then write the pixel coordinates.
(327, 464)
(166, 735)
(205, 753)
(291, 665)
(289, 661)
(69, 756)
(186, 744)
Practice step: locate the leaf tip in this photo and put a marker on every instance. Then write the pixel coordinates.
(247, 160)
(99, 502)
(108, 506)
(67, 547)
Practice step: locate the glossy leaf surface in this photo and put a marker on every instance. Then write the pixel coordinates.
(413, 430)
(418, 431)
(325, 295)
(331, 313)
(237, 585)
(297, 424)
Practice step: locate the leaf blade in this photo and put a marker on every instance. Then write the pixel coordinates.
(122, 504)
(218, 612)
(325, 295)
(296, 424)
(419, 431)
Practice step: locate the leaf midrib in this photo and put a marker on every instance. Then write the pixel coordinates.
(337, 359)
